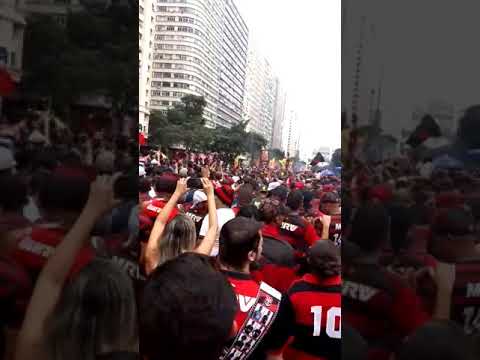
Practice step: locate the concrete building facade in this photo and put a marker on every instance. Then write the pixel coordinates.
(200, 48)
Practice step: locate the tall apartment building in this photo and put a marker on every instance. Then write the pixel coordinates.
(200, 48)
(12, 26)
(260, 92)
(278, 115)
(361, 62)
(291, 141)
(145, 49)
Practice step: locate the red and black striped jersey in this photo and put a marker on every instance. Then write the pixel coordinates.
(335, 230)
(246, 290)
(309, 320)
(466, 297)
(374, 302)
(298, 232)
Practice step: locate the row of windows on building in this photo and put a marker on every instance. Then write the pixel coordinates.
(190, 39)
(198, 70)
(184, 19)
(168, 84)
(172, 1)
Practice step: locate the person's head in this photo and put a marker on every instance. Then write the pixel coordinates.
(324, 259)
(13, 193)
(279, 193)
(64, 196)
(240, 242)
(249, 211)
(165, 185)
(245, 195)
(453, 234)
(330, 203)
(187, 311)
(96, 313)
(295, 200)
(144, 186)
(272, 212)
(437, 340)
(224, 196)
(369, 227)
(178, 237)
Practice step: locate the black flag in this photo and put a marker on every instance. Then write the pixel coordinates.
(427, 128)
(317, 159)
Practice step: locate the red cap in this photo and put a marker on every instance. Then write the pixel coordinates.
(225, 193)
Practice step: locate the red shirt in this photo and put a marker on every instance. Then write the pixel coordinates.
(335, 230)
(298, 232)
(375, 303)
(152, 208)
(310, 316)
(466, 297)
(35, 247)
(246, 289)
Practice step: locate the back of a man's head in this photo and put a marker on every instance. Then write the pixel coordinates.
(187, 311)
(437, 340)
(369, 227)
(238, 238)
(295, 200)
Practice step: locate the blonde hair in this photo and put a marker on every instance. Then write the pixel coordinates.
(179, 236)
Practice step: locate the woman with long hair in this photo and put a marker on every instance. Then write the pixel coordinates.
(90, 315)
(169, 239)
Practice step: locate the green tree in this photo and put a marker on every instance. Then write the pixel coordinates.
(183, 124)
(94, 54)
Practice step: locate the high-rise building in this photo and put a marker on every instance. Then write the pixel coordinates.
(145, 42)
(260, 91)
(291, 141)
(278, 115)
(12, 26)
(362, 66)
(200, 48)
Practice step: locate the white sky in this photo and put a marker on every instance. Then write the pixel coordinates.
(302, 41)
(429, 50)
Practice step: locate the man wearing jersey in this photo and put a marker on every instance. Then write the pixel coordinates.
(453, 240)
(240, 246)
(296, 230)
(308, 326)
(164, 188)
(374, 300)
(61, 200)
(330, 207)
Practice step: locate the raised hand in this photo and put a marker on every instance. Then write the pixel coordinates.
(207, 186)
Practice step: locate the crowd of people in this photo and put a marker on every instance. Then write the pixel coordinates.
(240, 262)
(183, 259)
(69, 242)
(410, 253)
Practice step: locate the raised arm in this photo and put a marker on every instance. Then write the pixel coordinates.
(151, 251)
(208, 242)
(31, 339)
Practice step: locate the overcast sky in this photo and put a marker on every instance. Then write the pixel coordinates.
(430, 51)
(303, 43)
